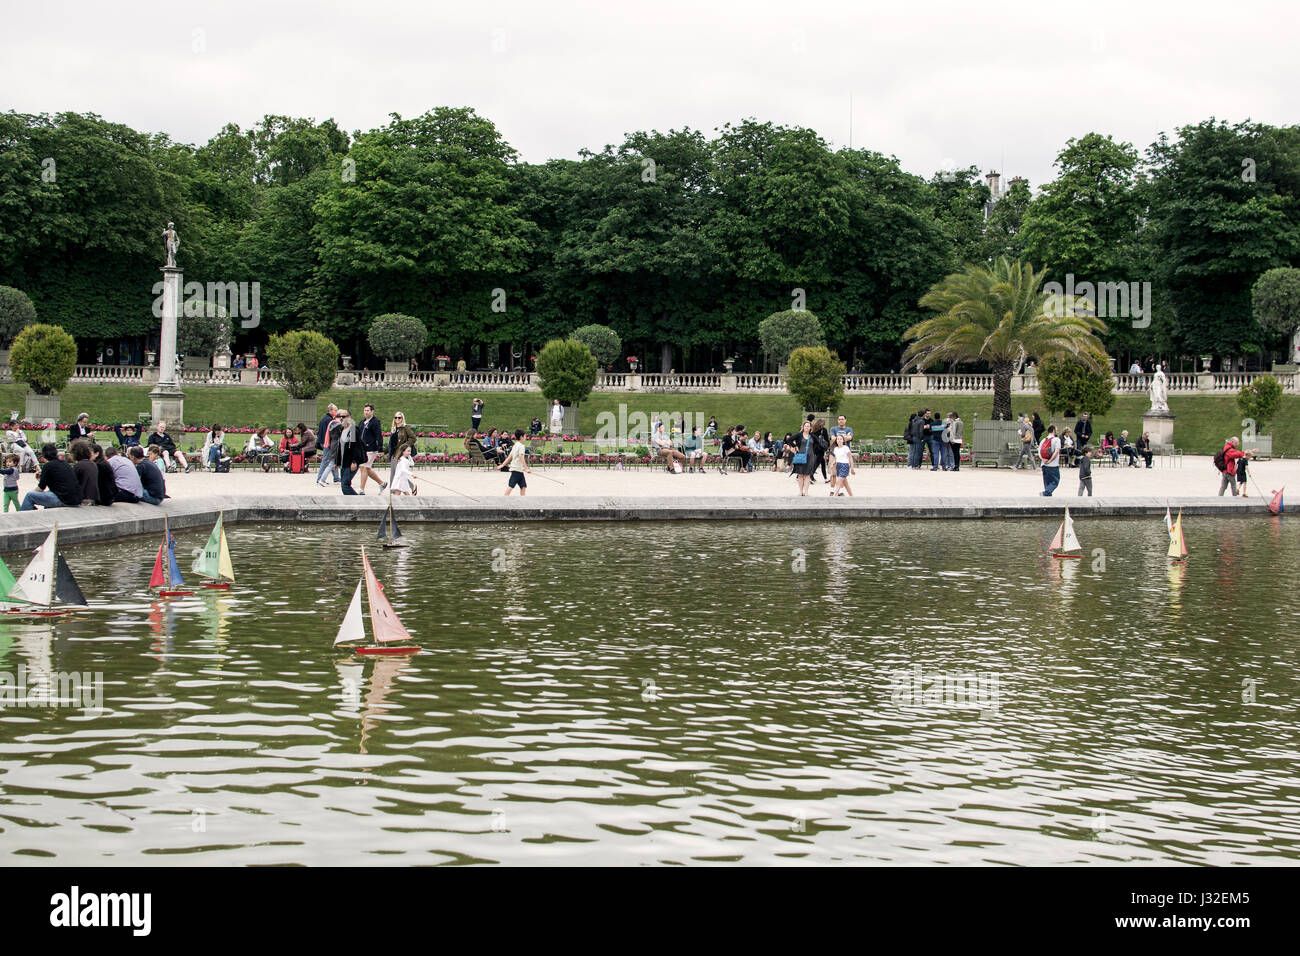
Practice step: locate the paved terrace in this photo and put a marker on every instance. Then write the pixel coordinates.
(601, 494)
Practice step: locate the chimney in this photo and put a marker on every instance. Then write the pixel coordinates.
(994, 180)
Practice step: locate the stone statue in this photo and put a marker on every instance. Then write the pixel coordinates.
(172, 242)
(1159, 392)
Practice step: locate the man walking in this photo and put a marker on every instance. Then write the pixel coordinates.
(1226, 462)
(1026, 433)
(328, 459)
(372, 438)
(517, 465)
(351, 453)
(1051, 462)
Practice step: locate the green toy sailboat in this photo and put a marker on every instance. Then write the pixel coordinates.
(213, 562)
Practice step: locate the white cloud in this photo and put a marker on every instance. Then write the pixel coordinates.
(1003, 86)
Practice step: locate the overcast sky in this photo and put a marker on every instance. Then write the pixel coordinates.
(937, 84)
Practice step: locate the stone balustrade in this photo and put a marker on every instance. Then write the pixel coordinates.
(959, 383)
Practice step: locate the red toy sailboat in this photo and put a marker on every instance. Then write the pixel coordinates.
(1276, 505)
(166, 572)
(1065, 544)
(387, 629)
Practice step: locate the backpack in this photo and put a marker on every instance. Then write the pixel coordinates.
(1045, 449)
(1221, 459)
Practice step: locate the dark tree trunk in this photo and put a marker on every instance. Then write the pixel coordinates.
(1002, 372)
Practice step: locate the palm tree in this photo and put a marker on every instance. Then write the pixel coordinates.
(999, 314)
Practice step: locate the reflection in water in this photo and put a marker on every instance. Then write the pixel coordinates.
(676, 692)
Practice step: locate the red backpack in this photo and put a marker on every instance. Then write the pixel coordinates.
(1045, 449)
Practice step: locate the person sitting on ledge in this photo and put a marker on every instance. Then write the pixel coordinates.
(126, 479)
(153, 488)
(59, 478)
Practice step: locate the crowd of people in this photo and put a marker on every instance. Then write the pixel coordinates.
(134, 469)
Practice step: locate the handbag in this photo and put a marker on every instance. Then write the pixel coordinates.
(801, 457)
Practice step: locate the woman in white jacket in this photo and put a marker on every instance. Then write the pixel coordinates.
(403, 482)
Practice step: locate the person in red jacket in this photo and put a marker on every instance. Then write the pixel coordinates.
(1231, 452)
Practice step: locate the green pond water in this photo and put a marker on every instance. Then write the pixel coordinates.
(862, 692)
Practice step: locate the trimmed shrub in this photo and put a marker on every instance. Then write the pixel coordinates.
(307, 362)
(603, 342)
(397, 337)
(43, 356)
(567, 370)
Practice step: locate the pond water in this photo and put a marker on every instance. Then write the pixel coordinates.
(670, 693)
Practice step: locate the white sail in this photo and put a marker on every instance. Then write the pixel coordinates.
(36, 583)
(1068, 541)
(1169, 520)
(353, 627)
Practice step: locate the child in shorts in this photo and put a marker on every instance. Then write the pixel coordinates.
(10, 471)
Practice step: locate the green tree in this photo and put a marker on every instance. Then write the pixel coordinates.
(961, 196)
(1070, 386)
(1003, 233)
(426, 203)
(999, 314)
(1224, 205)
(16, 313)
(43, 356)
(306, 361)
(203, 328)
(567, 371)
(1260, 400)
(783, 332)
(1275, 300)
(603, 342)
(815, 378)
(397, 337)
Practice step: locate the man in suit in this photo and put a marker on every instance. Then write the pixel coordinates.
(1083, 430)
(80, 428)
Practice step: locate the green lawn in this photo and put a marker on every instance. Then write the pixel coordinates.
(1202, 422)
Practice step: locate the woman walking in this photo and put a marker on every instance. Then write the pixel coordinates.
(805, 458)
(476, 413)
(402, 434)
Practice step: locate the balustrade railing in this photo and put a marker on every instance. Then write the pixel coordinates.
(1183, 383)
(108, 373)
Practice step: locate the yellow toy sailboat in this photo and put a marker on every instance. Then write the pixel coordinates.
(1177, 544)
(213, 562)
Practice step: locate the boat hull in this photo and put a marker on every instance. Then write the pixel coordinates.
(1061, 554)
(23, 612)
(387, 651)
(170, 594)
(215, 585)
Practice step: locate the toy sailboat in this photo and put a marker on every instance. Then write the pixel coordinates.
(383, 619)
(166, 572)
(388, 530)
(1177, 545)
(213, 561)
(1276, 505)
(46, 581)
(1065, 544)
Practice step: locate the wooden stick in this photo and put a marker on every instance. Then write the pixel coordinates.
(556, 480)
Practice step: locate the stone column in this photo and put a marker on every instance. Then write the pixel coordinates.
(1160, 425)
(166, 398)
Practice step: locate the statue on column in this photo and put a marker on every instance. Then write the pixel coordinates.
(172, 242)
(1159, 392)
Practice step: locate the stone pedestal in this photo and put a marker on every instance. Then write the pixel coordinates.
(917, 384)
(1160, 426)
(167, 401)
